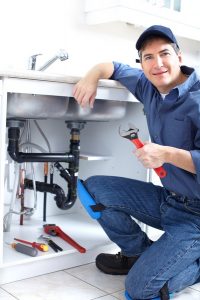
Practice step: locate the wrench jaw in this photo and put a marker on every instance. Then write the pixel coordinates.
(130, 134)
(54, 230)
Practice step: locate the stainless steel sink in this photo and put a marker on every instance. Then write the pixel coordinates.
(103, 110)
(26, 106)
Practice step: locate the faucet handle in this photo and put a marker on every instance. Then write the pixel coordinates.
(62, 54)
(32, 61)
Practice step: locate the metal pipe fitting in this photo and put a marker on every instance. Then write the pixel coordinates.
(72, 158)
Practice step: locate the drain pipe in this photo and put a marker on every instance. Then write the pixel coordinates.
(60, 198)
(71, 157)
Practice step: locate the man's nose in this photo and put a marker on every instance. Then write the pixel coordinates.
(158, 61)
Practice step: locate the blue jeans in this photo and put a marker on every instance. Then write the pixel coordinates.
(175, 257)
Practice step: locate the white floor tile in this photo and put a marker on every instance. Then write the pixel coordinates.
(90, 274)
(58, 285)
(5, 296)
(196, 287)
(81, 283)
(119, 295)
(187, 294)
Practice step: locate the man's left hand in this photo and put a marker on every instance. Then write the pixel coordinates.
(151, 155)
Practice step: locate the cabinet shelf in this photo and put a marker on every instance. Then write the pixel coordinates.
(143, 14)
(79, 226)
(94, 157)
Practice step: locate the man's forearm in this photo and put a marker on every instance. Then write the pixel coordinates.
(180, 158)
(85, 90)
(101, 71)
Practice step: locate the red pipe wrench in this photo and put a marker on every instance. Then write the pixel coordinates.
(54, 230)
(132, 135)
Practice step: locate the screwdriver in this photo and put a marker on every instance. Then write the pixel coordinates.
(39, 246)
(24, 249)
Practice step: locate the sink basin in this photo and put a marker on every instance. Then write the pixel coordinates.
(26, 106)
(103, 110)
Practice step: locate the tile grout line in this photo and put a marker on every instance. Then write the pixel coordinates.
(107, 294)
(194, 289)
(9, 293)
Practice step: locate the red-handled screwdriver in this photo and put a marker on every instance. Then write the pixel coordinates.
(132, 135)
(39, 246)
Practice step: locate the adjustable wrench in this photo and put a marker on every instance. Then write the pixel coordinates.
(132, 135)
(54, 230)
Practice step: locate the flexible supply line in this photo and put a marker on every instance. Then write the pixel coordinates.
(21, 195)
(33, 145)
(28, 146)
(43, 135)
(8, 216)
(28, 149)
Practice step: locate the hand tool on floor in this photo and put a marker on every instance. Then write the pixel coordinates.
(39, 246)
(24, 249)
(54, 230)
(132, 135)
(51, 243)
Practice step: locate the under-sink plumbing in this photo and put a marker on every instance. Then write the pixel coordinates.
(70, 174)
(61, 54)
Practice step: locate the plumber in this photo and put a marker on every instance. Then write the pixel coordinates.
(170, 94)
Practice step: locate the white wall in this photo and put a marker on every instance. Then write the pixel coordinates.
(44, 26)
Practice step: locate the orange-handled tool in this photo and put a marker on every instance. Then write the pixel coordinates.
(24, 249)
(132, 135)
(39, 246)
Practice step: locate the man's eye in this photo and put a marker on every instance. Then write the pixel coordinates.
(147, 57)
(166, 53)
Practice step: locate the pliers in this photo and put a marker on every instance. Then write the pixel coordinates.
(132, 134)
(51, 243)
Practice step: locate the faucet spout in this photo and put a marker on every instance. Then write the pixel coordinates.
(62, 55)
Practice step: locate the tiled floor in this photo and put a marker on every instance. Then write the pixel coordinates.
(80, 283)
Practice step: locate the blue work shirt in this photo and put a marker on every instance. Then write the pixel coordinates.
(174, 121)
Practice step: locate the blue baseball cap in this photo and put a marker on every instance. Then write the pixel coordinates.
(156, 30)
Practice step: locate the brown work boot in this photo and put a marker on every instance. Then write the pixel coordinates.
(115, 264)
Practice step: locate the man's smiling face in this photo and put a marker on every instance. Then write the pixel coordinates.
(161, 64)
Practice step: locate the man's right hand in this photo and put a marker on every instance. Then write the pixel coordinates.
(85, 90)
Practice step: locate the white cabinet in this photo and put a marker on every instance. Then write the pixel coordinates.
(142, 14)
(100, 138)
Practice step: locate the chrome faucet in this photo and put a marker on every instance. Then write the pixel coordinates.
(32, 61)
(62, 55)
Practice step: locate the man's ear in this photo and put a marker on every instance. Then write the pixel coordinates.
(180, 57)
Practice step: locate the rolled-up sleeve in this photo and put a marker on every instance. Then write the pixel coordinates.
(127, 76)
(195, 151)
(196, 160)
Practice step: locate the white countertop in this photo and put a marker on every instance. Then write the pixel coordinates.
(38, 75)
